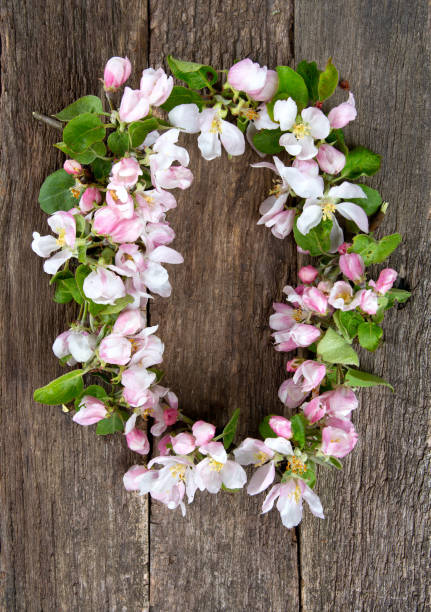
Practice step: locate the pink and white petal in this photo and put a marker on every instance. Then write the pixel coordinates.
(264, 165)
(209, 145)
(346, 190)
(55, 262)
(232, 138)
(285, 112)
(304, 185)
(250, 132)
(355, 213)
(308, 149)
(279, 445)
(309, 218)
(290, 143)
(336, 236)
(283, 223)
(233, 475)
(318, 122)
(313, 501)
(270, 207)
(270, 498)
(185, 117)
(164, 254)
(290, 510)
(44, 245)
(269, 89)
(216, 450)
(206, 477)
(261, 479)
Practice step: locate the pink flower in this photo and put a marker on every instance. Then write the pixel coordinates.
(156, 86)
(315, 300)
(128, 322)
(293, 364)
(285, 317)
(125, 173)
(217, 470)
(89, 198)
(338, 437)
(352, 266)
(72, 167)
(170, 416)
(368, 301)
(91, 411)
(274, 216)
(136, 381)
(315, 409)
(309, 375)
(153, 204)
(117, 71)
(137, 441)
(259, 82)
(169, 484)
(162, 445)
(103, 286)
(115, 349)
(330, 159)
(340, 402)
(184, 443)
(385, 281)
(290, 496)
(281, 426)
(270, 88)
(134, 105)
(308, 274)
(291, 394)
(157, 234)
(299, 335)
(341, 296)
(215, 132)
(203, 432)
(164, 411)
(110, 222)
(131, 478)
(129, 260)
(343, 114)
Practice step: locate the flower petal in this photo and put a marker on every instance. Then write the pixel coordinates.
(209, 145)
(233, 475)
(355, 213)
(318, 122)
(336, 236)
(186, 117)
(285, 112)
(304, 185)
(261, 479)
(290, 143)
(309, 218)
(232, 138)
(280, 445)
(346, 190)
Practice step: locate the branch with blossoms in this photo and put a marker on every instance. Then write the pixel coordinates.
(107, 208)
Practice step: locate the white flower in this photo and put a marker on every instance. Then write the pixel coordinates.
(289, 504)
(217, 470)
(302, 132)
(63, 224)
(325, 206)
(215, 129)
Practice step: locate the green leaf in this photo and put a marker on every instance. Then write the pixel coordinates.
(310, 74)
(335, 349)
(101, 168)
(118, 306)
(61, 390)
(291, 85)
(55, 192)
(107, 255)
(118, 143)
(328, 81)
(336, 463)
(110, 425)
(356, 378)
(87, 104)
(95, 391)
(138, 130)
(66, 290)
(159, 374)
(309, 476)
(360, 162)
(266, 141)
(299, 424)
(317, 241)
(348, 323)
(81, 274)
(372, 251)
(82, 131)
(371, 203)
(265, 430)
(369, 335)
(382, 302)
(195, 75)
(229, 431)
(399, 295)
(182, 95)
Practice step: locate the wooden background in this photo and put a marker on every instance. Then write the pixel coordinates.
(71, 538)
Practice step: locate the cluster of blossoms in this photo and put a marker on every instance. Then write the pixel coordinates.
(107, 208)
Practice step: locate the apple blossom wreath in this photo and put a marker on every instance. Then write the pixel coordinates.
(107, 208)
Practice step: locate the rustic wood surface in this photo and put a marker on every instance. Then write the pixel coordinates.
(71, 538)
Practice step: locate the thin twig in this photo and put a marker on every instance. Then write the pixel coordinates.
(48, 120)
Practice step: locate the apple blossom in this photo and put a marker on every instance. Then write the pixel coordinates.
(137, 441)
(71, 166)
(338, 437)
(299, 335)
(203, 432)
(156, 86)
(117, 71)
(352, 266)
(281, 426)
(91, 410)
(132, 477)
(217, 470)
(341, 296)
(308, 274)
(330, 159)
(103, 286)
(289, 504)
(215, 129)
(134, 105)
(183, 443)
(309, 375)
(89, 198)
(368, 301)
(385, 281)
(342, 114)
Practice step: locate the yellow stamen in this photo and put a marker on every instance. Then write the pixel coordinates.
(301, 129)
(261, 458)
(216, 125)
(147, 412)
(61, 240)
(276, 190)
(179, 471)
(215, 465)
(328, 208)
(149, 199)
(114, 195)
(297, 315)
(250, 114)
(296, 466)
(76, 193)
(135, 345)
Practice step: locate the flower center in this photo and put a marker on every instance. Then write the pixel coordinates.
(149, 199)
(147, 412)
(296, 466)
(250, 114)
(178, 471)
(328, 208)
(215, 465)
(114, 195)
(61, 240)
(277, 189)
(345, 296)
(296, 494)
(135, 344)
(76, 193)
(301, 129)
(261, 458)
(297, 315)
(216, 125)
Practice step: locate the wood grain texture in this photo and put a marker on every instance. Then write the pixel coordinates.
(372, 551)
(218, 355)
(71, 538)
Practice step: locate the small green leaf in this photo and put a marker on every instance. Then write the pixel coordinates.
(138, 130)
(348, 323)
(336, 463)
(81, 274)
(55, 192)
(62, 390)
(299, 424)
(328, 81)
(371, 203)
(317, 241)
(118, 306)
(118, 143)
(229, 431)
(107, 255)
(291, 85)
(101, 168)
(182, 95)
(360, 162)
(369, 335)
(66, 290)
(265, 430)
(197, 76)
(335, 349)
(372, 251)
(356, 378)
(336, 137)
(82, 131)
(87, 104)
(110, 425)
(310, 74)
(266, 141)
(399, 295)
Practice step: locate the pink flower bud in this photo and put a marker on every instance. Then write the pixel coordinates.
(385, 281)
(72, 167)
(291, 394)
(162, 445)
(248, 76)
(103, 286)
(137, 441)
(89, 198)
(91, 411)
(315, 410)
(156, 86)
(342, 249)
(308, 274)
(115, 349)
(315, 300)
(203, 432)
(342, 114)
(125, 172)
(325, 287)
(330, 159)
(134, 105)
(183, 443)
(352, 266)
(338, 438)
(309, 375)
(117, 71)
(270, 87)
(367, 301)
(131, 477)
(281, 426)
(170, 416)
(129, 322)
(340, 402)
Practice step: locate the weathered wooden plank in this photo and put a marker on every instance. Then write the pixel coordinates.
(218, 355)
(71, 537)
(371, 551)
